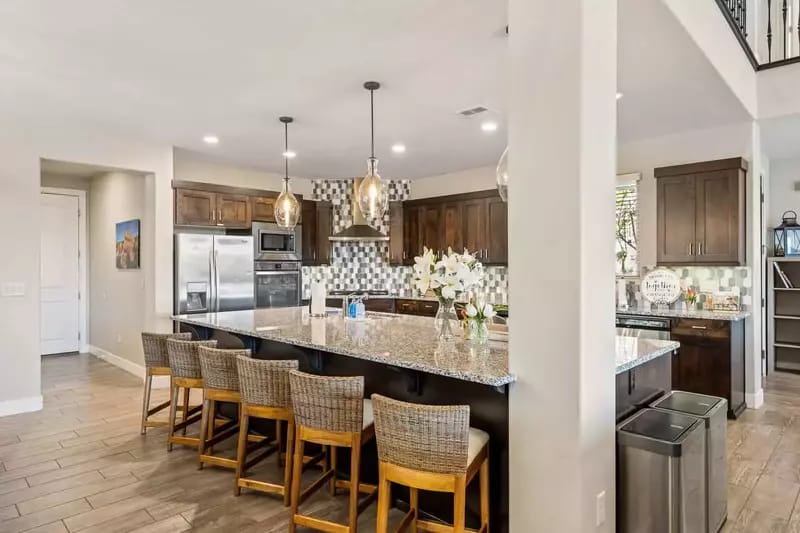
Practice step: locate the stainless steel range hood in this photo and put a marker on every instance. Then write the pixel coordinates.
(359, 231)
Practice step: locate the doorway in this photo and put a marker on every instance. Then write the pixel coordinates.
(63, 271)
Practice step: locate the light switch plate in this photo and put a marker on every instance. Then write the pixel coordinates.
(12, 288)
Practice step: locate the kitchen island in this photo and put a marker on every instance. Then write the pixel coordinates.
(399, 357)
(644, 372)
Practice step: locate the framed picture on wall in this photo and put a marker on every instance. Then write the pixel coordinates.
(128, 245)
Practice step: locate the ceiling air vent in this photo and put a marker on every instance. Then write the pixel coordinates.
(473, 111)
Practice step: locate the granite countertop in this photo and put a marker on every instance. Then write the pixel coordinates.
(634, 351)
(399, 340)
(732, 316)
(389, 297)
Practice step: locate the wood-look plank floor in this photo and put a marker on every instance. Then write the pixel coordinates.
(80, 464)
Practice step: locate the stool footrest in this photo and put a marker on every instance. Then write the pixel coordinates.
(225, 432)
(188, 422)
(251, 462)
(263, 486)
(218, 461)
(320, 525)
(315, 486)
(436, 527)
(157, 408)
(186, 441)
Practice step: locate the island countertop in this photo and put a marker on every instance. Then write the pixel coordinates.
(403, 341)
(634, 351)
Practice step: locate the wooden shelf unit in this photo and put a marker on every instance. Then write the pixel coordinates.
(783, 316)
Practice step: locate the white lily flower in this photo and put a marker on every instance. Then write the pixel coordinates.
(488, 311)
(471, 311)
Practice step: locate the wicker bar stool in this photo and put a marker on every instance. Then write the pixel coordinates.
(156, 363)
(186, 374)
(264, 387)
(330, 411)
(429, 447)
(220, 384)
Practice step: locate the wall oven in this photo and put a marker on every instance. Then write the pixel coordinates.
(278, 283)
(274, 243)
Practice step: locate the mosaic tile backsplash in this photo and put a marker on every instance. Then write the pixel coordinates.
(705, 280)
(365, 265)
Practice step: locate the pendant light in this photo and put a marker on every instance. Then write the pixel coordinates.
(287, 208)
(373, 193)
(501, 175)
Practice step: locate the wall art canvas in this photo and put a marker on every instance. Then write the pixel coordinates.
(128, 245)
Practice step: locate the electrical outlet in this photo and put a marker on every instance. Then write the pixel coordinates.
(600, 509)
(13, 288)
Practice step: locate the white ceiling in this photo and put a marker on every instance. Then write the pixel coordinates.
(174, 71)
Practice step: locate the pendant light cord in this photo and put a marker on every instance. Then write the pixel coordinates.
(286, 150)
(372, 120)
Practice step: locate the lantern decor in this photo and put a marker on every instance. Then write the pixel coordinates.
(787, 236)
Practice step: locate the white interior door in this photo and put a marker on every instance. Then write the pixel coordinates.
(60, 274)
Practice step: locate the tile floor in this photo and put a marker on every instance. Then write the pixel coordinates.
(81, 465)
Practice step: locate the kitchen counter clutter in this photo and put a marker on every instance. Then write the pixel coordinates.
(635, 351)
(399, 340)
(732, 316)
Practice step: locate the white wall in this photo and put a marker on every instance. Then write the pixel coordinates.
(473, 179)
(782, 196)
(191, 166)
(117, 308)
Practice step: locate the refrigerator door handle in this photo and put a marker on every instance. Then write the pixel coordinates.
(216, 280)
(211, 293)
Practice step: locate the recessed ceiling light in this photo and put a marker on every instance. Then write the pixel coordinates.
(288, 154)
(399, 148)
(489, 126)
(619, 95)
(211, 139)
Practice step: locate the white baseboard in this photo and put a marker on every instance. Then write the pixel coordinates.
(754, 400)
(22, 405)
(159, 382)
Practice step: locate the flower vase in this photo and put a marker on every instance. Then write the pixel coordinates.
(445, 320)
(479, 331)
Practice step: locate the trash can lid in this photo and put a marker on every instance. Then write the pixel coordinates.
(661, 425)
(688, 402)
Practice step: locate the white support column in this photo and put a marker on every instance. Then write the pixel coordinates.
(754, 393)
(562, 134)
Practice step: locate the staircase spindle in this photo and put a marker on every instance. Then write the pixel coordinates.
(769, 31)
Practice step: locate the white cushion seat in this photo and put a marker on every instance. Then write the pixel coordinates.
(477, 440)
(369, 416)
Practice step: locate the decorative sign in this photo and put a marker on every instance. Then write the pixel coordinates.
(661, 286)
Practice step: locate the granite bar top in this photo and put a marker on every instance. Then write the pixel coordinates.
(398, 340)
(732, 316)
(634, 351)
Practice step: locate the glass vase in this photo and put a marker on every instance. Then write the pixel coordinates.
(445, 321)
(479, 331)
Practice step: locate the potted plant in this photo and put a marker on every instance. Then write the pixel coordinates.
(690, 297)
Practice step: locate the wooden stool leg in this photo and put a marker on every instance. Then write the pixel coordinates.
(148, 383)
(186, 392)
(332, 483)
(484, 486)
(287, 474)
(297, 473)
(355, 468)
(384, 498)
(459, 504)
(173, 407)
(241, 451)
(201, 445)
(212, 422)
(279, 442)
(414, 497)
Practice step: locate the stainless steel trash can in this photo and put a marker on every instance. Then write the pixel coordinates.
(714, 411)
(660, 473)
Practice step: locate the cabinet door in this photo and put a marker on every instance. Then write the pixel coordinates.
(322, 254)
(396, 237)
(195, 208)
(427, 308)
(308, 231)
(702, 366)
(411, 242)
(264, 209)
(406, 307)
(676, 220)
(234, 210)
(497, 232)
(452, 227)
(430, 227)
(474, 232)
(718, 218)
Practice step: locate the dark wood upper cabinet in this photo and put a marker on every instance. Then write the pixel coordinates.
(322, 252)
(396, 234)
(234, 210)
(264, 208)
(700, 213)
(308, 231)
(430, 217)
(452, 226)
(411, 241)
(195, 208)
(497, 231)
(474, 223)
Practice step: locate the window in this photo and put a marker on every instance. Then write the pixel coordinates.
(627, 226)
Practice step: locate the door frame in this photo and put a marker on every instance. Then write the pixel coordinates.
(83, 308)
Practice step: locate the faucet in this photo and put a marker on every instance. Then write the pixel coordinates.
(346, 301)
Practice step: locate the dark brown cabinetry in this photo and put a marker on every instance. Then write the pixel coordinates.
(195, 208)
(234, 210)
(208, 204)
(416, 307)
(317, 222)
(700, 213)
(396, 234)
(710, 360)
(475, 221)
(264, 208)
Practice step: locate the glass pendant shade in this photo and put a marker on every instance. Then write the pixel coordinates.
(287, 208)
(502, 175)
(373, 194)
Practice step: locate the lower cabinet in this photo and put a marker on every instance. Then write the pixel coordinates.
(711, 360)
(416, 307)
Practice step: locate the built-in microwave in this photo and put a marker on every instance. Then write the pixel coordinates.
(274, 243)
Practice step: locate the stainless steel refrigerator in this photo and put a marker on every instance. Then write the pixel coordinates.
(213, 273)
